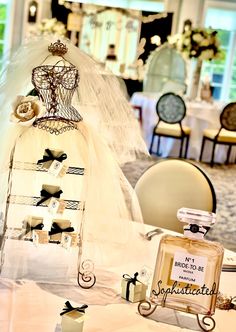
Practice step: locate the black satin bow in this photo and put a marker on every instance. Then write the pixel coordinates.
(69, 308)
(130, 281)
(56, 229)
(30, 228)
(46, 195)
(50, 156)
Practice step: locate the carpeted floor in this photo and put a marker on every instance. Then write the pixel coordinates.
(223, 179)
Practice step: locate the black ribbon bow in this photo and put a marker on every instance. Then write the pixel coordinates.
(30, 228)
(46, 195)
(69, 308)
(50, 156)
(130, 281)
(56, 229)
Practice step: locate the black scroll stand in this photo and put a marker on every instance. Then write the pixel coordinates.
(146, 308)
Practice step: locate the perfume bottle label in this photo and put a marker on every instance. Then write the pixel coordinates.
(189, 268)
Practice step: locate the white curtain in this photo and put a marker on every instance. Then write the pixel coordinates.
(111, 27)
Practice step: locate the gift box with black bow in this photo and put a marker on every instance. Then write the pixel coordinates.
(59, 226)
(50, 196)
(52, 161)
(132, 289)
(47, 193)
(33, 230)
(72, 318)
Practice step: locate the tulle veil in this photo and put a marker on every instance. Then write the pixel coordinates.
(111, 136)
(99, 98)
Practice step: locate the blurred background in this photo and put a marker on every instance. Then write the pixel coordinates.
(121, 34)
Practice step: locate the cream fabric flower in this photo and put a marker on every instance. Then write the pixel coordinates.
(25, 110)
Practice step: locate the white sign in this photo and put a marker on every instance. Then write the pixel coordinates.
(55, 167)
(53, 205)
(189, 268)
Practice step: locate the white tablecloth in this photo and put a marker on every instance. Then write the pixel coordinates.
(199, 116)
(30, 306)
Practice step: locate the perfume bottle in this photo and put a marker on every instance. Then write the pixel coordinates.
(188, 268)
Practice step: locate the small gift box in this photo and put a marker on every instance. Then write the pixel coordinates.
(40, 237)
(49, 192)
(72, 318)
(30, 224)
(56, 206)
(133, 290)
(58, 227)
(69, 239)
(50, 156)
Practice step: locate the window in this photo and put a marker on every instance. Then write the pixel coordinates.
(4, 16)
(232, 86)
(222, 72)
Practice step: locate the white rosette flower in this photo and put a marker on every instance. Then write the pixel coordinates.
(59, 28)
(49, 24)
(197, 37)
(205, 42)
(207, 55)
(26, 110)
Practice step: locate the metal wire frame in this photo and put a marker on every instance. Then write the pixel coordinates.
(86, 277)
(146, 308)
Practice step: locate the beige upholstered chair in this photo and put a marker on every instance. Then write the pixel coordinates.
(169, 185)
(226, 135)
(171, 110)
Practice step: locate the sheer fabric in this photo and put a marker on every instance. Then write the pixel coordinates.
(99, 202)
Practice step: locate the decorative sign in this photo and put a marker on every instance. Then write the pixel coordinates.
(55, 167)
(74, 22)
(189, 268)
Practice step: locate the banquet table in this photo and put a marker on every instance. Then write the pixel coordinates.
(31, 306)
(199, 116)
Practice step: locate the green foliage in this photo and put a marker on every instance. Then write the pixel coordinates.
(2, 30)
(3, 12)
(1, 50)
(232, 94)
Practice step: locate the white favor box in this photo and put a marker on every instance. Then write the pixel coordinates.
(137, 292)
(72, 321)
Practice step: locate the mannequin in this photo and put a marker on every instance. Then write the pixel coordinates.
(97, 201)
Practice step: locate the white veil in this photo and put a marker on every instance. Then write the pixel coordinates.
(100, 99)
(110, 201)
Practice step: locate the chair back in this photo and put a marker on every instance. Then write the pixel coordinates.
(169, 185)
(171, 108)
(228, 117)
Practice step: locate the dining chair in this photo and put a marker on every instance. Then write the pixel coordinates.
(170, 185)
(226, 135)
(171, 110)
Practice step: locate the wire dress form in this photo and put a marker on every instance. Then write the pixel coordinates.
(98, 202)
(56, 86)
